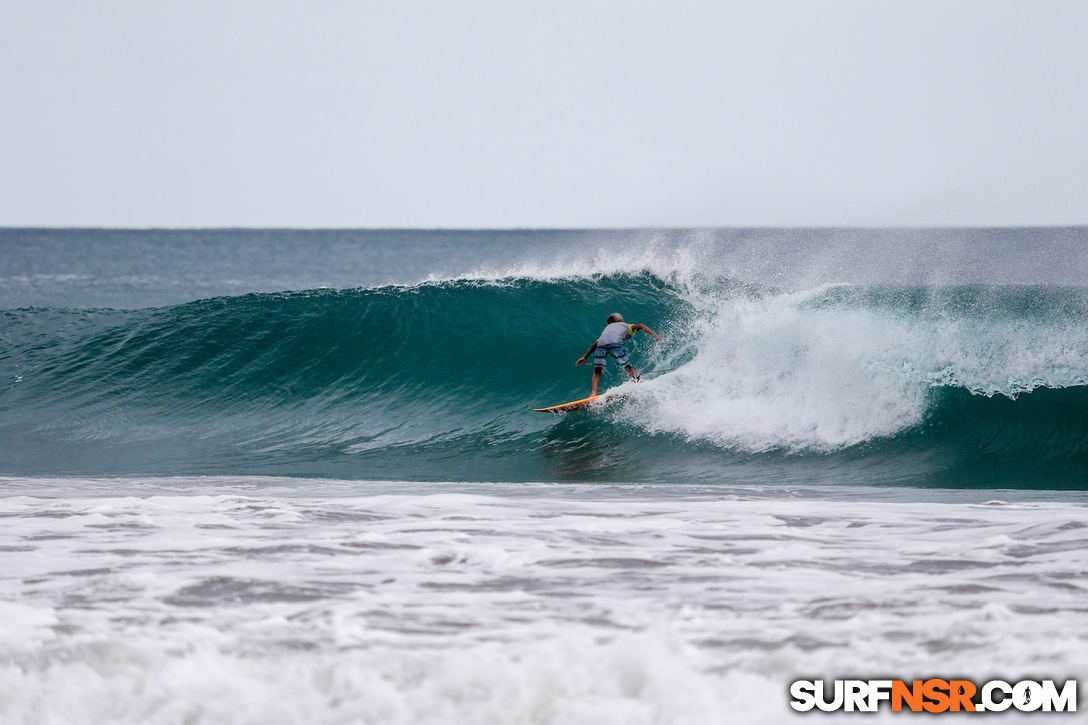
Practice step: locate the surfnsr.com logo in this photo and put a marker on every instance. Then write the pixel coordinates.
(934, 695)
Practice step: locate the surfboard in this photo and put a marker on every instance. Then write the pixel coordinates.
(573, 405)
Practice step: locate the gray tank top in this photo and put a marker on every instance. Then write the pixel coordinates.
(618, 333)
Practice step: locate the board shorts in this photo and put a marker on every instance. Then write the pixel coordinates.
(617, 351)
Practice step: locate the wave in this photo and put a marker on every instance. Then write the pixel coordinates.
(964, 385)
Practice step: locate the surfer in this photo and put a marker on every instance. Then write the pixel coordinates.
(613, 341)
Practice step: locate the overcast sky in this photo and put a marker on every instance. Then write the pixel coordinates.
(482, 113)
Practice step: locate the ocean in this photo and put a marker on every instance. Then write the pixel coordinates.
(283, 476)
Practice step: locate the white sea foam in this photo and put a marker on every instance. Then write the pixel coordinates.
(530, 604)
(782, 372)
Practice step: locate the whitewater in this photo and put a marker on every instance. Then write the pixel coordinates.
(283, 476)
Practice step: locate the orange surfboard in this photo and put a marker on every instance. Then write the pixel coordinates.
(574, 405)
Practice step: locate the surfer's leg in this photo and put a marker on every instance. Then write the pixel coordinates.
(599, 361)
(632, 372)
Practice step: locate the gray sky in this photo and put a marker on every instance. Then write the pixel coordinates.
(577, 113)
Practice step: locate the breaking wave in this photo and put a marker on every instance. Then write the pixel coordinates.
(956, 385)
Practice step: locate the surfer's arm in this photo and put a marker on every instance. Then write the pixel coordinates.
(647, 329)
(582, 360)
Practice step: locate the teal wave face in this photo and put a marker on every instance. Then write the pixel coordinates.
(966, 386)
(1041, 436)
(295, 378)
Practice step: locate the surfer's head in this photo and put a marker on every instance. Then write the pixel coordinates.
(615, 317)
